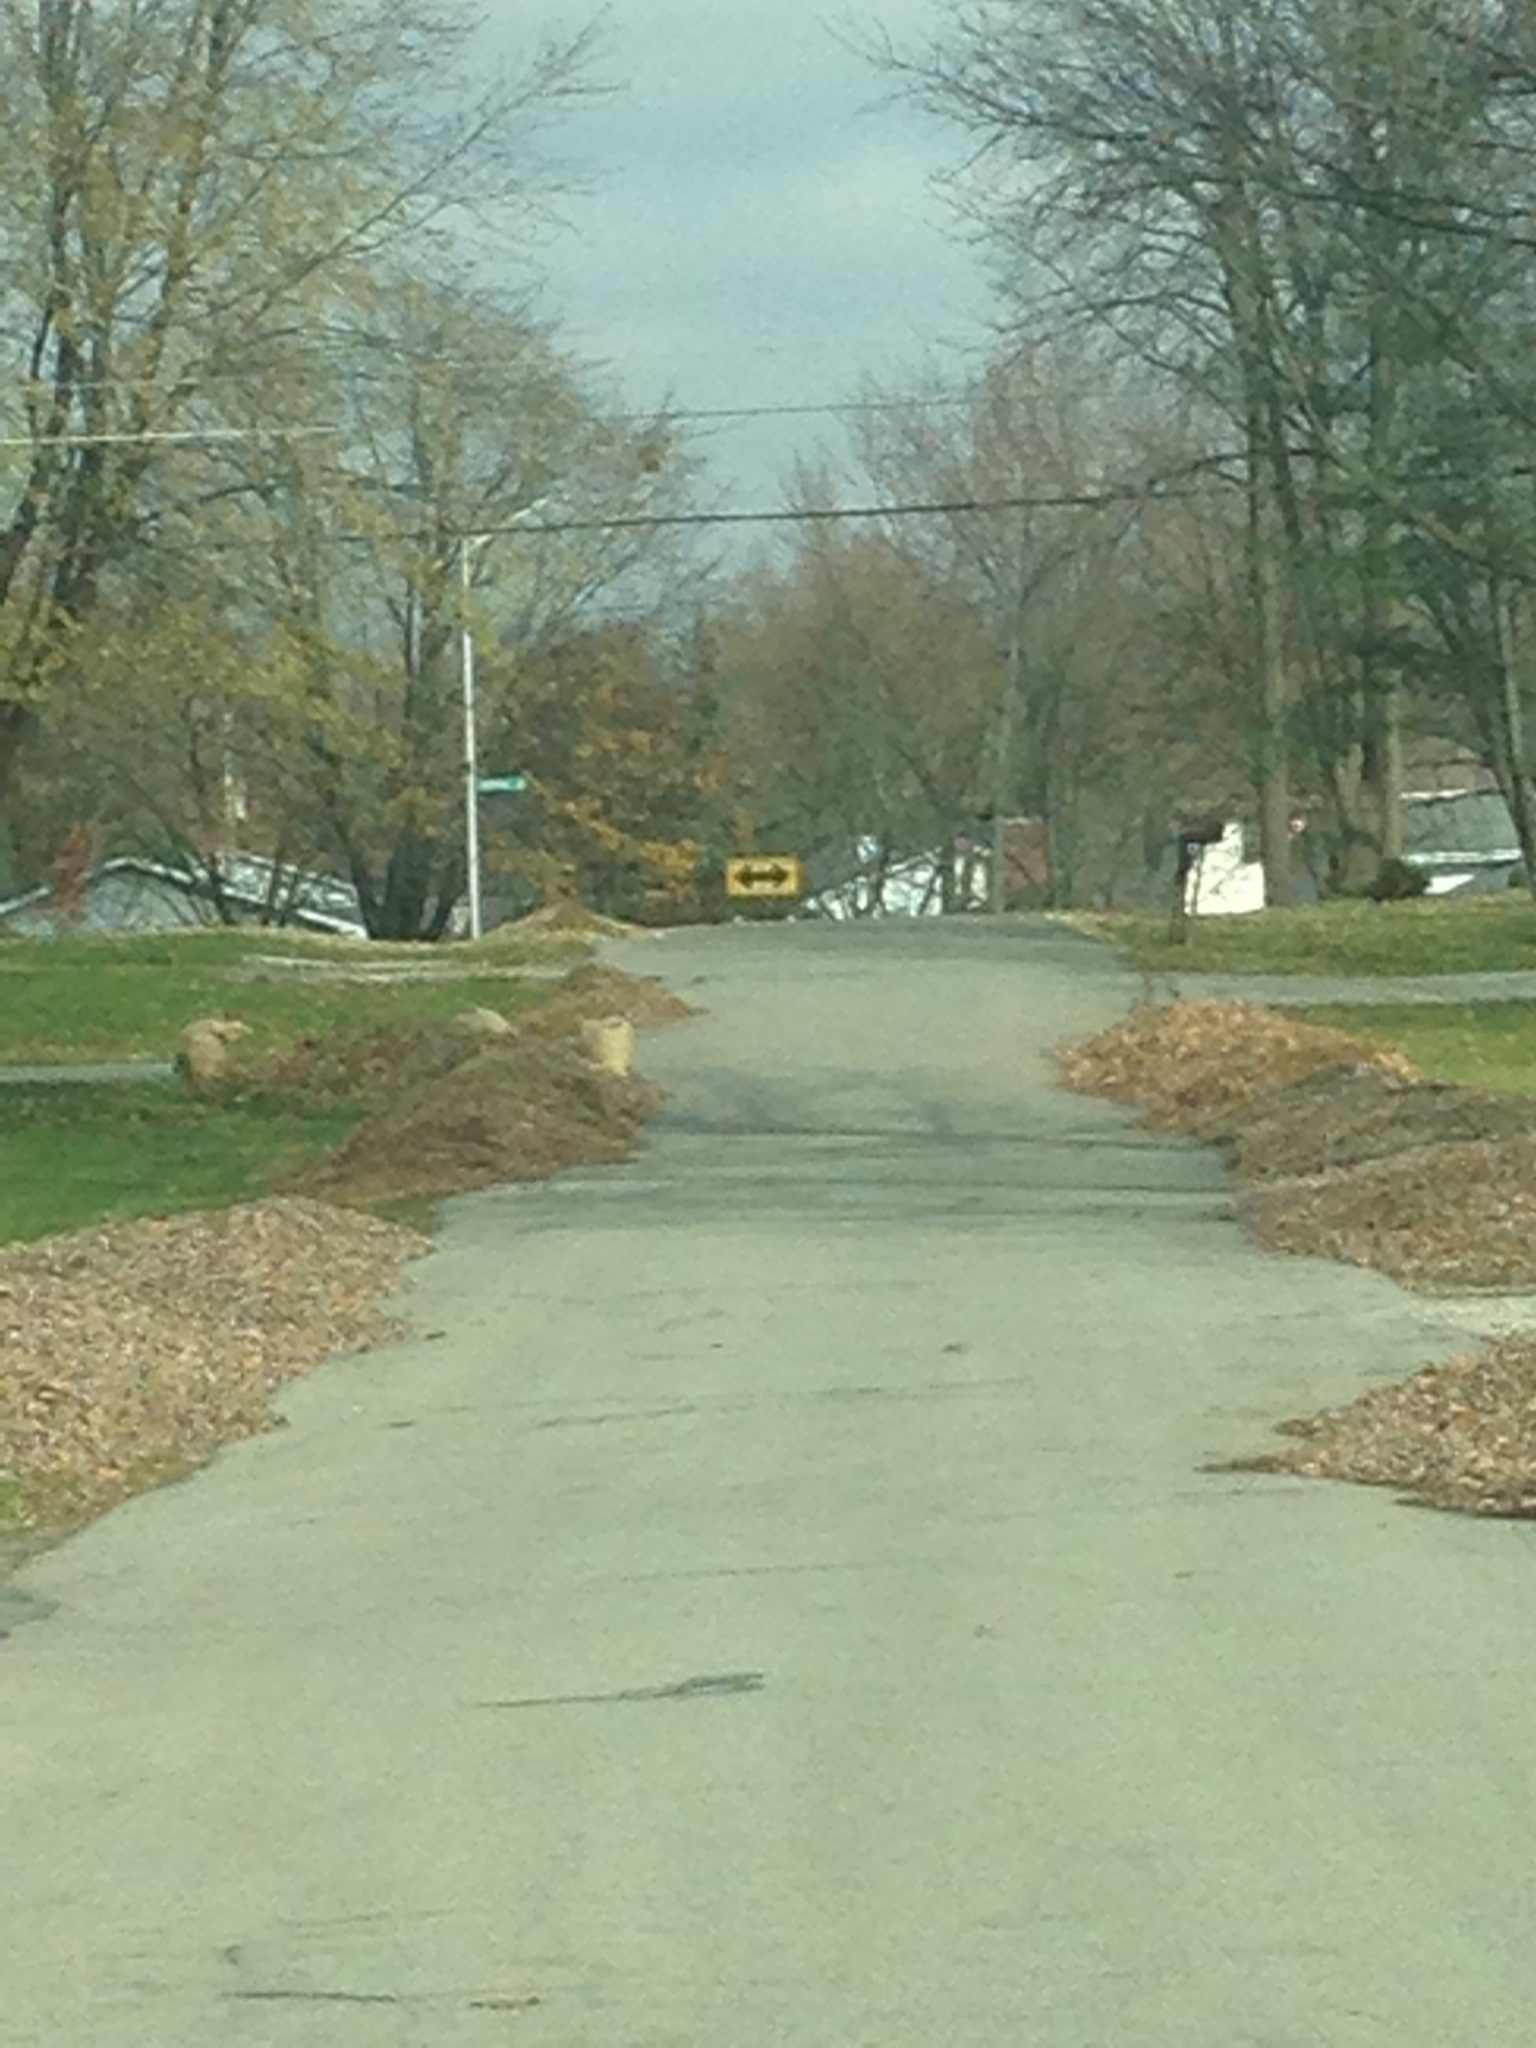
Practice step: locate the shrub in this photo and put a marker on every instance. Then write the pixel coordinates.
(1397, 882)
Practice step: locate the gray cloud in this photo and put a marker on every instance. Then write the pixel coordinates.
(757, 231)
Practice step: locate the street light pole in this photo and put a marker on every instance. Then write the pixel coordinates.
(1002, 771)
(471, 743)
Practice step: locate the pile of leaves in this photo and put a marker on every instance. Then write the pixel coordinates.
(1439, 1218)
(566, 915)
(597, 990)
(1345, 1117)
(1341, 1149)
(129, 1352)
(516, 1109)
(371, 1066)
(1195, 1067)
(383, 1067)
(1339, 1146)
(457, 1107)
(1459, 1435)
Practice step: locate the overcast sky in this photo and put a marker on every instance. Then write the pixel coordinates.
(759, 229)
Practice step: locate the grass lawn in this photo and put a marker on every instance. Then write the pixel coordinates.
(1481, 934)
(74, 1153)
(81, 999)
(1491, 1046)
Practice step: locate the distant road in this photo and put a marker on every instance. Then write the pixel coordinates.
(775, 1601)
(98, 1070)
(1303, 990)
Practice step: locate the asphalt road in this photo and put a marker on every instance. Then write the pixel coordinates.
(776, 1600)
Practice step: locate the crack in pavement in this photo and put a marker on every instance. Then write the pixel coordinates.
(720, 1685)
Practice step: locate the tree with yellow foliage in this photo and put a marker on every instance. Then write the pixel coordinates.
(193, 195)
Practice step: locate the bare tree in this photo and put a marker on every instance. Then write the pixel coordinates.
(1048, 452)
(1307, 215)
(188, 190)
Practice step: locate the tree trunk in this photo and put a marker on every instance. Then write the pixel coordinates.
(953, 874)
(1516, 778)
(16, 722)
(1248, 296)
(1003, 768)
(1273, 766)
(1382, 744)
(1382, 768)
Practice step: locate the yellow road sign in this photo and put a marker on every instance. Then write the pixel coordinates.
(772, 875)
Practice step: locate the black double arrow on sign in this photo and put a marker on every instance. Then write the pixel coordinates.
(773, 877)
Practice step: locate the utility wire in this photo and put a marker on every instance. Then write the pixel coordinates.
(1124, 494)
(789, 412)
(802, 410)
(921, 508)
(178, 434)
(1157, 493)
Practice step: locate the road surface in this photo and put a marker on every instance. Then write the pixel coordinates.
(776, 1599)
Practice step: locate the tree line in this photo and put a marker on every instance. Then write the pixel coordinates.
(1239, 505)
(1307, 224)
(256, 402)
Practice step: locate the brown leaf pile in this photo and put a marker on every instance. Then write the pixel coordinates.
(131, 1351)
(518, 1109)
(1458, 1435)
(1347, 1116)
(566, 915)
(1340, 1149)
(384, 1066)
(1440, 1218)
(371, 1067)
(597, 990)
(1193, 1066)
(452, 1110)
(128, 1353)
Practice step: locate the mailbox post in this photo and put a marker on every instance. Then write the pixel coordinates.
(1194, 837)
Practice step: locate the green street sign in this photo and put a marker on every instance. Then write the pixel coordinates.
(502, 785)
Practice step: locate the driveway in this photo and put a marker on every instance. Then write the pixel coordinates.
(775, 1599)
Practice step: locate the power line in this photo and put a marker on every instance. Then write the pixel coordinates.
(784, 412)
(1155, 493)
(177, 434)
(801, 410)
(1102, 500)
(920, 508)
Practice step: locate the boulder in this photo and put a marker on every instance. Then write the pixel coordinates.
(486, 1024)
(205, 1049)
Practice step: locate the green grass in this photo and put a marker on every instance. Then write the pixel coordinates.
(82, 999)
(76, 1153)
(1492, 1046)
(73, 1153)
(1481, 935)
